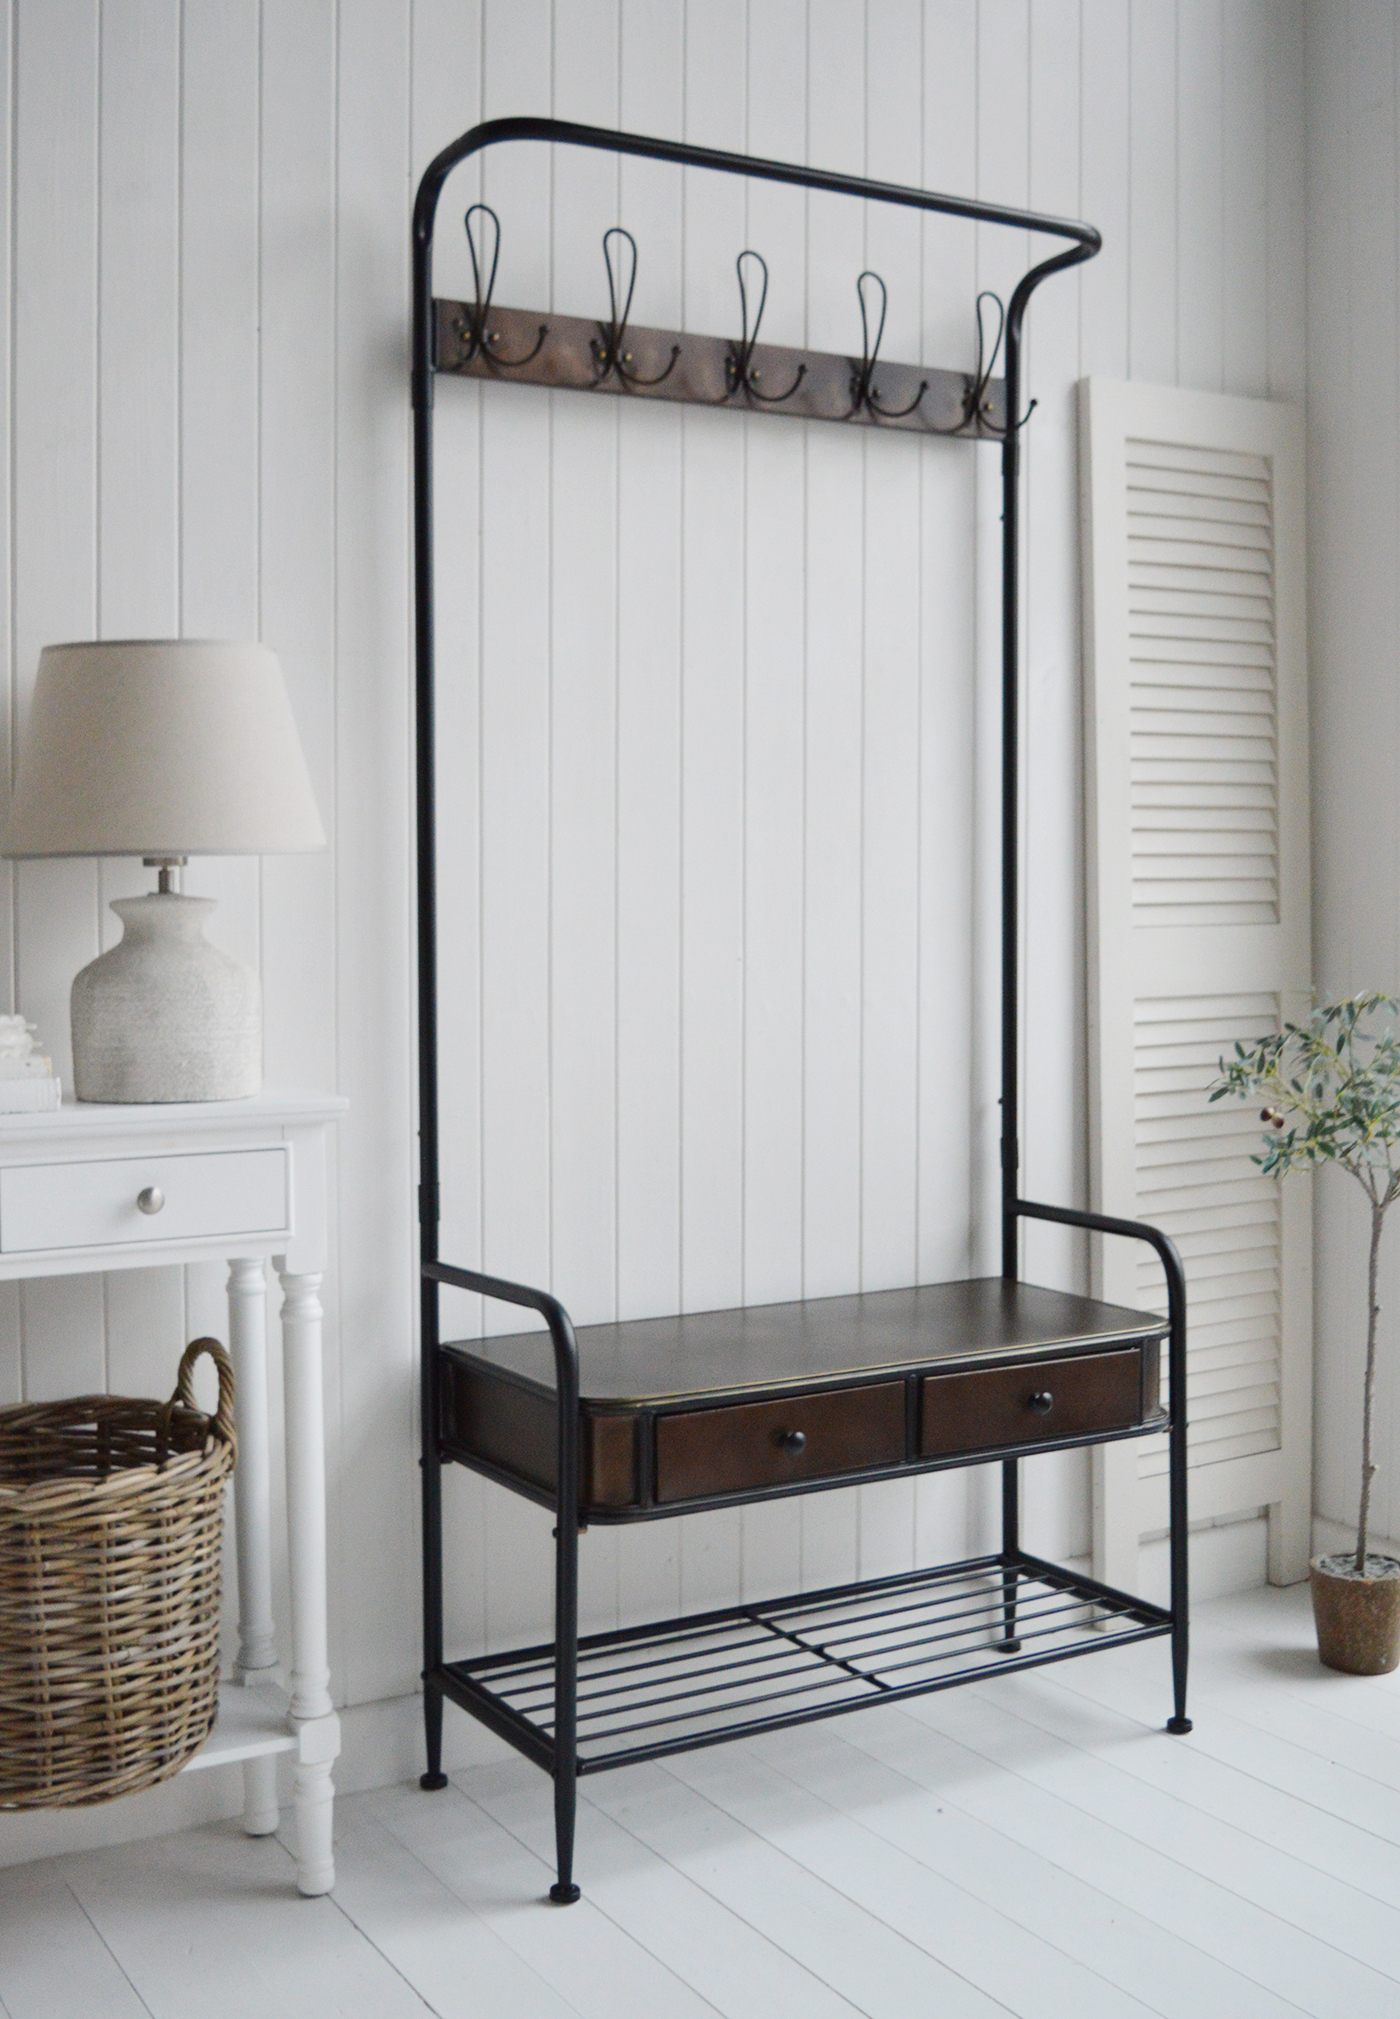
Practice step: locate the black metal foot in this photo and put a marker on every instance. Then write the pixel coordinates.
(1178, 1724)
(564, 1896)
(432, 1782)
(1007, 1646)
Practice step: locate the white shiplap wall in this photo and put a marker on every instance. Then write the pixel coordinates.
(719, 818)
(1353, 168)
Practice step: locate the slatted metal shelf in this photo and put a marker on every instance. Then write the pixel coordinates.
(647, 1691)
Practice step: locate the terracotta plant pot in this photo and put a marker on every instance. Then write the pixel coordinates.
(1358, 1618)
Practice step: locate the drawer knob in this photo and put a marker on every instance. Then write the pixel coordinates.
(792, 1441)
(151, 1200)
(1042, 1402)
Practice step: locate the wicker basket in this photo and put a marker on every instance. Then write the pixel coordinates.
(111, 1524)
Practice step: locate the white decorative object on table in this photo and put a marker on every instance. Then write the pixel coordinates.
(165, 1009)
(96, 1188)
(164, 749)
(27, 1082)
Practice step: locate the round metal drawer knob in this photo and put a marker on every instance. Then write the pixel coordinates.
(151, 1200)
(1042, 1402)
(792, 1441)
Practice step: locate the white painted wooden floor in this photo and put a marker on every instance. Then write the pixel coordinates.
(1034, 1846)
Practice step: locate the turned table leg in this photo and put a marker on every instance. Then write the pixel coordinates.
(318, 1728)
(257, 1650)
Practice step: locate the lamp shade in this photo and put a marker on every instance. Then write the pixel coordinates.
(161, 748)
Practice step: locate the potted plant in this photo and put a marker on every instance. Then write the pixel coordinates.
(1331, 1089)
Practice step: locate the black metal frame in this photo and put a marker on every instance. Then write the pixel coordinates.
(553, 1743)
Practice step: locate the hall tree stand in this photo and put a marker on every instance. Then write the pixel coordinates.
(656, 1417)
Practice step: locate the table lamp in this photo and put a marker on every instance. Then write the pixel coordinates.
(163, 749)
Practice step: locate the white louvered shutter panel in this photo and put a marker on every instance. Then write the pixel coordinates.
(1197, 791)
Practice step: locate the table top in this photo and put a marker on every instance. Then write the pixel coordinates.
(818, 1341)
(77, 1119)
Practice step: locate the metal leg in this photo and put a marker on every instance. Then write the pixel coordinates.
(1176, 1464)
(434, 1778)
(564, 1892)
(1010, 1543)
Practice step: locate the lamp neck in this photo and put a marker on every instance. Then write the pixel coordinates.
(168, 884)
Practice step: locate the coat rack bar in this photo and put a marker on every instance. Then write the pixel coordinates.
(571, 355)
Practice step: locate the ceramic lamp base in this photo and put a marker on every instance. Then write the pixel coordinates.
(165, 1016)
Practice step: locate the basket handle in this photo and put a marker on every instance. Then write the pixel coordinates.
(184, 1385)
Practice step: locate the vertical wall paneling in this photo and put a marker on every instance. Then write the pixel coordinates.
(54, 421)
(833, 628)
(139, 322)
(890, 745)
(712, 635)
(296, 564)
(1104, 184)
(1285, 129)
(774, 726)
(7, 518)
(774, 715)
(446, 99)
(11, 1373)
(1201, 194)
(947, 506)
(831, 1025)
(218, 379)
(648, 581)
(375, 1502)
(583, 705)
(1054, 1153)
(1003, 169)
(713, 674)
(718, 695)
(583, 742)
(1249, 27)
(1353, 218)
(650, 563)
(138, 470)
(1152, 186)
(517, 74)
(216, 556)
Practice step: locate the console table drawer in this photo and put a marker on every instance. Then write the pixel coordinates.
(222, 1193)
(1034, 1403)
(747, 1445)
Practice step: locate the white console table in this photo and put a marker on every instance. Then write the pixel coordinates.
(91, 1188)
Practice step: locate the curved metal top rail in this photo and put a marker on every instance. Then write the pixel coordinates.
(567, 132)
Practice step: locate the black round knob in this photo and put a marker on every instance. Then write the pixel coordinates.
(792, 1441)
(1042, 1402)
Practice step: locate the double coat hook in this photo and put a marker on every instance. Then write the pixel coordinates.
(610, 353)
(978, 406)
(863, 393)
(739, 370)
(477, 340)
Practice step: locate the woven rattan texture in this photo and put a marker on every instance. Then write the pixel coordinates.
(111, 1524)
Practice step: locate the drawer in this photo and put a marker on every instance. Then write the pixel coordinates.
(206, 1195)
(996, 1406)
(749, 1445)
